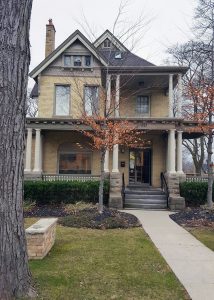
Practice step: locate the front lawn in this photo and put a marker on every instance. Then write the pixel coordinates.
(204, 235)
(104, 264)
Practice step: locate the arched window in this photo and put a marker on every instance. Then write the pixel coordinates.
(74, 158)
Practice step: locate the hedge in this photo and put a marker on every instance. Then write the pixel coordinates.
(195, 193)
(58, 192)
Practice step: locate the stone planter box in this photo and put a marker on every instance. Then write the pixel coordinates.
(40, 238)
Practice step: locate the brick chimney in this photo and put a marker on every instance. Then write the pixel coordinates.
(50, 38)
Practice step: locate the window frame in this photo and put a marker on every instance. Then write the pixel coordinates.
(69, 100)
(98, 96)
(110, 44)
(83, 58)
(75, 152)
(147, 114)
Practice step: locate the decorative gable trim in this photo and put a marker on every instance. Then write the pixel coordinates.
(77, 35)
(108, 35)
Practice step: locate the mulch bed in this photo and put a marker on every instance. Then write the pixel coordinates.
(91, 218)
(86, 218)
(194, 217)
(46, 211)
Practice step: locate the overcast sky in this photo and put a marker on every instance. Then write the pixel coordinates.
(170, 23)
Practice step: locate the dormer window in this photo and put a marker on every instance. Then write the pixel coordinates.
(118, 55)
(77, 61)
(107, 44)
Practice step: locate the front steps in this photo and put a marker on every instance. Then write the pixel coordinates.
(144, 197)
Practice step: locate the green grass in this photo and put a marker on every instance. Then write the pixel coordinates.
(104, 264)
(204, 235)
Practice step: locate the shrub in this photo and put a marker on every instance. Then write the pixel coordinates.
(58, 192)
(195, 193)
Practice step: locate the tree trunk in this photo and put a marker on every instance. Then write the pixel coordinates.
(102, 177)
(210, 171)
(15, 278)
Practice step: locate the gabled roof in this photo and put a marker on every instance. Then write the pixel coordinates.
(77, 35)
(108, 35)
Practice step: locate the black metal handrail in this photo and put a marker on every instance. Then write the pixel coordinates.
(123, 189)
(164, 187)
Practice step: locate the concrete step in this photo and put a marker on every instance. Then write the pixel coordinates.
(146, 192)
(145, 195)
(146, 206)
(146, 201)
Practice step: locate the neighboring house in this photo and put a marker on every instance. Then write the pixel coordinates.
(144, 92)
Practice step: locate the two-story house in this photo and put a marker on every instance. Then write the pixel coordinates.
(143, 92)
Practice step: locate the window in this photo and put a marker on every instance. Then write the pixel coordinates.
(75, 163)
(67, 60)
(107, 44)
(62, 100)
(142, 106)
(91, 100)
(77, 61)
(118, 55)
(88, 60)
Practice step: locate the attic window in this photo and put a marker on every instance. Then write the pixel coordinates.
(107, 44)
(77, 61)
(118, 55)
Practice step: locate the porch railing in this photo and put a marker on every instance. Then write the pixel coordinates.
(69, 177)
(123, 189)
(196, 178)
(164, 187)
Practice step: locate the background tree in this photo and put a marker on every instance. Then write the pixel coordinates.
(204, 97)
(15, 278)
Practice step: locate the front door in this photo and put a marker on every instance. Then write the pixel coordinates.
(140, 166)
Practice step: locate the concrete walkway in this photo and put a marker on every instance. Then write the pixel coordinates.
(190, 260)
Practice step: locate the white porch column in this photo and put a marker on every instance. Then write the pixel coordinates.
(28, 151)
(179, 153)
(106, 163)
(117, 97)
(180, 92)
(115, 159)
(108, 98)
(37, 161)
(171, 152)
(170, 95)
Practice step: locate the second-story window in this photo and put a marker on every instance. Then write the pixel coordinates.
(91, 99)
(62, 100)
(77, 61)
(67, 60)
(142, 105)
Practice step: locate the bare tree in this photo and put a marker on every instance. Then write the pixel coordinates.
(15, 277)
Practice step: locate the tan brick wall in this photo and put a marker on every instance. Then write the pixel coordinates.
(158, 106)
(47, 94)
(52, 141)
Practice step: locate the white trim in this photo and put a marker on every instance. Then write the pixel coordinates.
(44, 66)
(107, 35)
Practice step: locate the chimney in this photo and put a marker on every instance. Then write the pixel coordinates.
(50, 38)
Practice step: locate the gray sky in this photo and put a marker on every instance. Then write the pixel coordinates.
(170, 23)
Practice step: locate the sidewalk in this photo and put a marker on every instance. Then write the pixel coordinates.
(190, 260)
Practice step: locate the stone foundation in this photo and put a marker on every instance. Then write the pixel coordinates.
(40, 238)
(115, 197)
(176, 202)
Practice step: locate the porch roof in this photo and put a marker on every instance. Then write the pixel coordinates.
(144, 124)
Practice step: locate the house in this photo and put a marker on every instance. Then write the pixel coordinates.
(143, 93)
